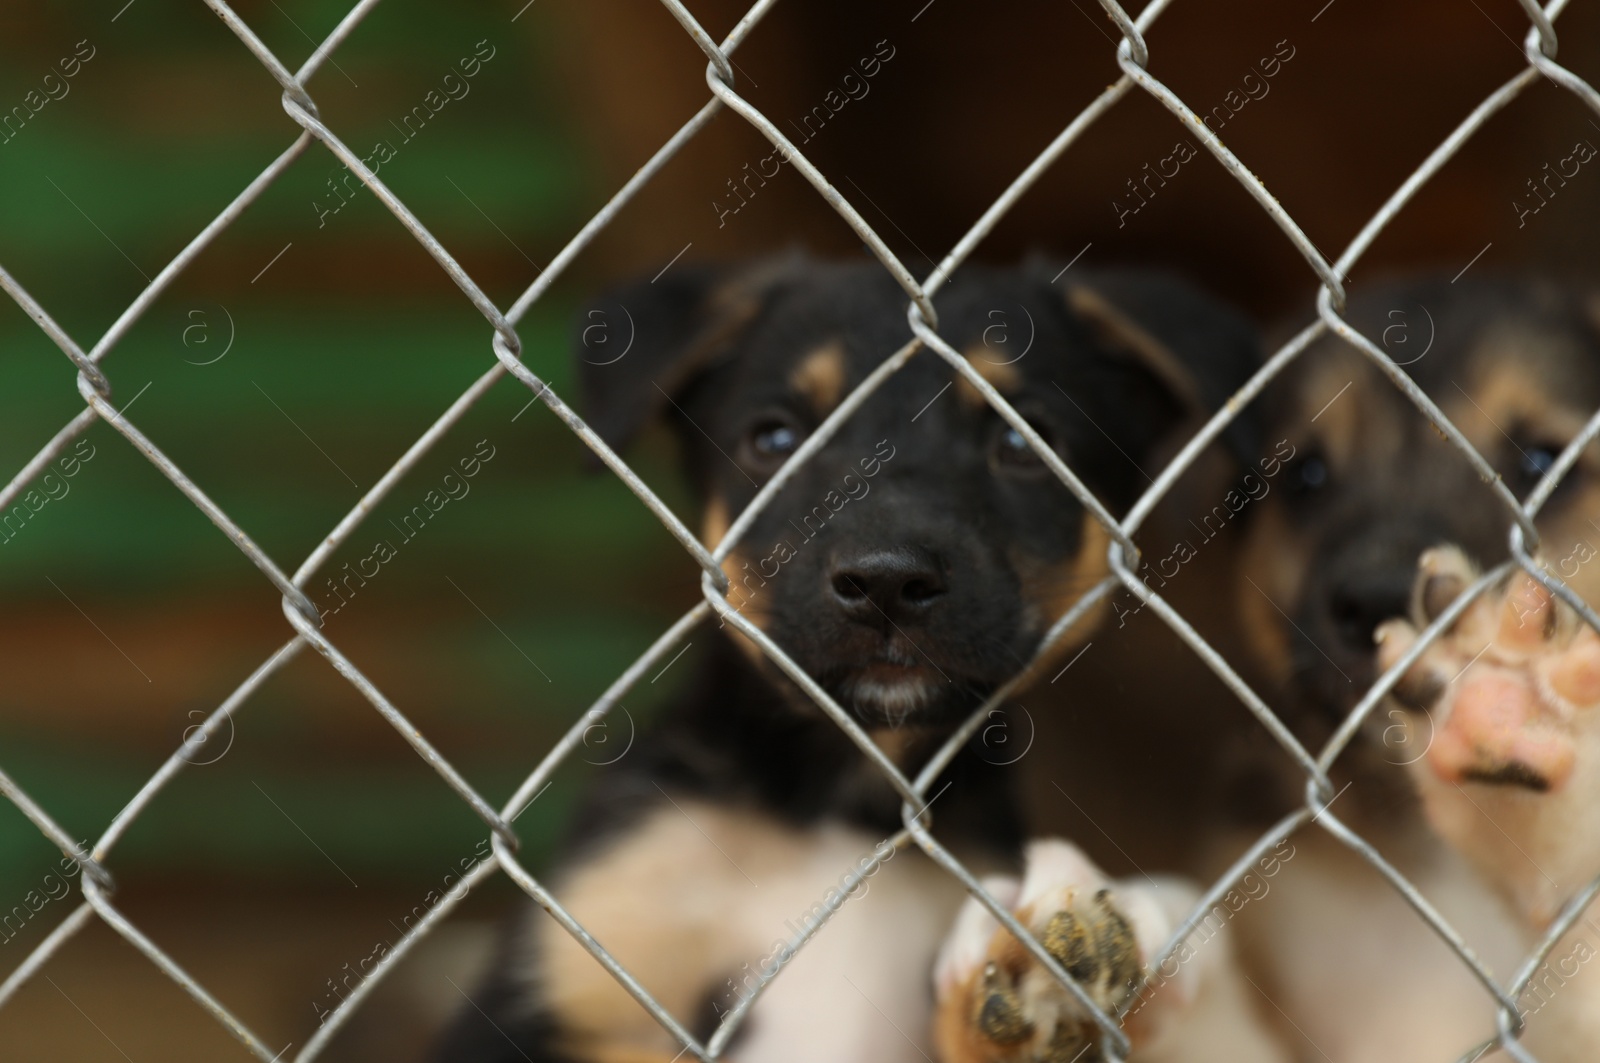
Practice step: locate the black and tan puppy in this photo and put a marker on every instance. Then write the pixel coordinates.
(913, 565)
(1515, 366)
(1507, 777)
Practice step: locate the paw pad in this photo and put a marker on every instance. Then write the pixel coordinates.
(1505, 687)
(1511, 773)
(998, 1003)
(1067, 939)
(1000, 1016)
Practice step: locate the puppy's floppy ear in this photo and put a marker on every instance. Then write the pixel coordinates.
(650, 341)
(1194, 349)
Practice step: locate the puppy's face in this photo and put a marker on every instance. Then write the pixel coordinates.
(916, 561)
(1372, 484)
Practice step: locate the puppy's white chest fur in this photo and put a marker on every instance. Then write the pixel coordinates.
(703, 903)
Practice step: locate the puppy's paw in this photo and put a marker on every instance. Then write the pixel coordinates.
(997, 1003)
(1511, 696)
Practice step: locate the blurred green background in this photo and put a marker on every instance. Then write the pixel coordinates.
(338, 356)
(284, 372)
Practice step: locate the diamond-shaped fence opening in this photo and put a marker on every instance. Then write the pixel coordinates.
(503, 356)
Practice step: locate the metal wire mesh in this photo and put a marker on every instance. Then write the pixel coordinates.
(1540, 46)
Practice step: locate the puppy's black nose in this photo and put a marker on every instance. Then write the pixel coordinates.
(877, 585)
(1361, 600)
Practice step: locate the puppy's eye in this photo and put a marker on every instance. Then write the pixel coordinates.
(1306, 476)
(775, 440)
(1012, 452)
(1538, 459)
(770, 441)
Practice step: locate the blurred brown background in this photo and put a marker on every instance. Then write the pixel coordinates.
(317, 830)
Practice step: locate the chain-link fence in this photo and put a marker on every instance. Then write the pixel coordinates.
(102, 404)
